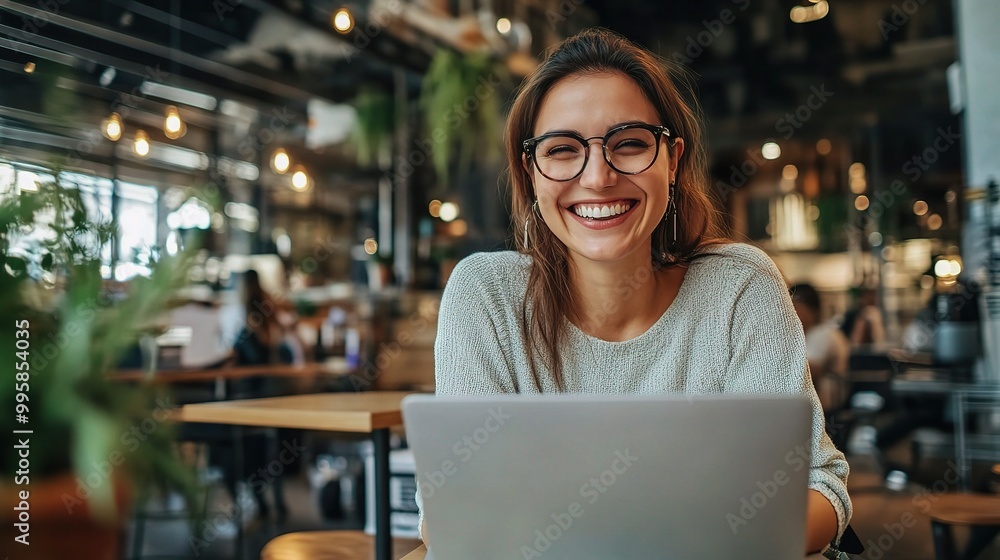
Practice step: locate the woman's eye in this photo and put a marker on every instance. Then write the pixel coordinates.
(563, 151)
(631, 145)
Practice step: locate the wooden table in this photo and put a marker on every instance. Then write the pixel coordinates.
(421, 552)
(221, 375)
(373, 413)
(310, 369)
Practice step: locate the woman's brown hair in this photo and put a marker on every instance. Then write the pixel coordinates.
(549, 293)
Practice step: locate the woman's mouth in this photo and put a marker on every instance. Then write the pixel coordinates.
(603, 215)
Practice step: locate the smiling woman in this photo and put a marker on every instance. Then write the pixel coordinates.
(623, 282)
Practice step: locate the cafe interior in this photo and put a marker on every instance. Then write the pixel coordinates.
(228, 225)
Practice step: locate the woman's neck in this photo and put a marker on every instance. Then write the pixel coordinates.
(620, 301)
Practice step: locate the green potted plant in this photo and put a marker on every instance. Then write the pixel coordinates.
(85, 445)
(461, 110)
(374, 126)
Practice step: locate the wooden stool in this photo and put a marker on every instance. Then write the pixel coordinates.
(330, 545)
(979, 512)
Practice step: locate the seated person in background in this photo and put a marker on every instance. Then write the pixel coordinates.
(827, 349)
(623, 282)
(863, 325)
(268, 336)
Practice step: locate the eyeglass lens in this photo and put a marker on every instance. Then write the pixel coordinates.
(630, 150)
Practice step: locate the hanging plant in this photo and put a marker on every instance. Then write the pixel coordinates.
(376, 120)
(461, 112)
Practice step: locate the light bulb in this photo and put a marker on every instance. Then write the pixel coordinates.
(280, 162)
(342, 20)
(112, 127)
(140, 145)
(173, 126)
(300, 180)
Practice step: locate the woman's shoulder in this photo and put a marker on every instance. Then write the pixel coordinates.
(491, 273)
(741, 261)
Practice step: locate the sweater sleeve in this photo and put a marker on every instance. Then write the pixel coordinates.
(470, 351)
(768, 355)
(472, 345)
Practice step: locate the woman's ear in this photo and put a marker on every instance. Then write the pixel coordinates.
(677, 150)
(526, 164)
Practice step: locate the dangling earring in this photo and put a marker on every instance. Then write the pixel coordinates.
(673, 215)
(668, 247)
(534, 208)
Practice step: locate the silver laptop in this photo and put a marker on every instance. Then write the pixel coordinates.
(580, 477)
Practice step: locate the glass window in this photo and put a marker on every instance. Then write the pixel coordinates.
(137, 229)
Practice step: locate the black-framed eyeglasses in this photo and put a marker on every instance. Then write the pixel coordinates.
(628, 149)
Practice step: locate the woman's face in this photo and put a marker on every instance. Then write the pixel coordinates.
(590, 105)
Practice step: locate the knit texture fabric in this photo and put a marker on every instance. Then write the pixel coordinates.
(731, 329)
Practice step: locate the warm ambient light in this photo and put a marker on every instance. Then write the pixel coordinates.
(823, 147)
(806, 14)
(29, 67)
(947, 267)
(503, 25)
(449, 211)
(789, 172)
(770, 150)
(934, 222)
(861, 203)
(458, 228)
(173, 126)
(300, 180)
(280, 162)
(371, 246)
(920, 208)
(343, 21)
(140, 144)
(112, 128)
(434, 208)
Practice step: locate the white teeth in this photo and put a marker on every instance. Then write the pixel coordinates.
(601, 211)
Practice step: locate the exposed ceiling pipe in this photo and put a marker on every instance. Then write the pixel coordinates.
(208, 66)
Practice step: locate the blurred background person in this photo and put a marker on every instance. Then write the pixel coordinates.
(863, 324)
(827, 349)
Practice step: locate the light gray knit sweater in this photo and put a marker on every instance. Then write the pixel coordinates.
(731, 329)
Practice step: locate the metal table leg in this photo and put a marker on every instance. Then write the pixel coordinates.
(958, 398)
(238, 476)
(383, 536)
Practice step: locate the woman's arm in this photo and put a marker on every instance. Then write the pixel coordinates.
(821, 522)
(470, 350)
(768, 355)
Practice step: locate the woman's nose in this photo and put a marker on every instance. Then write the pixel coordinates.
(597, 174)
